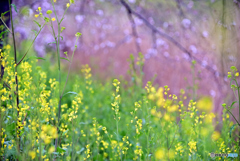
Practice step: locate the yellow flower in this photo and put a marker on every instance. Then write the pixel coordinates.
(173, 108)
(51, 149)
(227, 115)
(192, 146)
(209, 117)
(166, 117)
(153, 111)
(54, 1)
(36, 15)
(105, 155)
(216, 135)
(39, 8)
(44, 128)
(151, 96)
(67, 5)
(159, 154)
(171, 154)
(205, 104)
(204, 132)
(53, 19)
(237, 74)
(32, 154)
(47, 141)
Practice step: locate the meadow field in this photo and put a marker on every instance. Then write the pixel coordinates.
(53, 107)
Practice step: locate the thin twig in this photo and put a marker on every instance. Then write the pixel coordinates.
(6, 25)
(134, 29)
(9, 87)
(180, 8)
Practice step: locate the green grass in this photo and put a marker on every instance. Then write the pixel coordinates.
(107, 121)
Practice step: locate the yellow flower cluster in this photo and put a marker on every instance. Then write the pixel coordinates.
(3, 136)
(233, 73)
(115, 104)
(87, 152)
(138, 152)
(40, 12)
(192, 146)
(48, 133)
(73, 112)
(86, 70)
(179, 149)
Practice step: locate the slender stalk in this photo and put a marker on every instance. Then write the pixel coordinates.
(57, 39)
(238, 110)
(16, 77)
(31, 44)
(40, 140)
(72, 140)
(233, 117)
(69, 67)
(1, 120)
(5, 25)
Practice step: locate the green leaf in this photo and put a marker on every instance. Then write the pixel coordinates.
(60, 150)
(3, 33)
(61, 37)
(34, 57)
(65, 132)
(4, 13)
(22, 132)
(70, 93)
(233, 104)
(37, 23)
(55, 153)
(14, 6)
(64, 58)
(35, 32)
(231, 129)
(24, 11)
(52, 43)
(80, 151)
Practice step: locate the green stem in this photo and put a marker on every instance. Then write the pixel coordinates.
(31, 44)
(238, 109)
(63, 15)
(5, 25)
(40, 140)
(16, 77)
(70, 66)
(57, 39)
(233, 116)
(72, 140)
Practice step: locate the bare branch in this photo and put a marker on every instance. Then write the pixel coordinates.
(133, 25)
(180, 8)
(169, 38)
